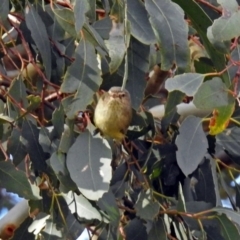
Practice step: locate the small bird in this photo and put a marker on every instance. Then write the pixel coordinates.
(113, 113)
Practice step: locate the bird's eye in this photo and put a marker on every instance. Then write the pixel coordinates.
(122, 95)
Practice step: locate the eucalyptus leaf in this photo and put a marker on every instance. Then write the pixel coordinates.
(88, 161)
(192, 146)
(82, 78)
(40, 37)
(167, 19)
(15, 180)
(212, 94)
(187, 83)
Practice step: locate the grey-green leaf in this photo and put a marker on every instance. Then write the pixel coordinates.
(4, 10)
(40, 37)
(108, 204)
(212, 94)
(228, 228)
(191, 143)
(65, 18)
(82, 78)
(140, 26)
(88, 161)
(226, 27)
(146, 208)
(80, 9)
(15, 180)
(81, 206)
(116, 46)
(171, 30)
(187, 83)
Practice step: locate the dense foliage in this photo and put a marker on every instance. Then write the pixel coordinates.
(176, 164)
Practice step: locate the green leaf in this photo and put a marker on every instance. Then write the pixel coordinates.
(80, 9)
(201, 21)
(45, 141)
(171, 116)
(58, 163)
(15, 147)
(40, 37)
(17, 91)
(187, 83)
(212, 94)
(15, 180)
(181, 206)
(65, 18)
(221, 46)
(140, 26)
(158, 230)
(34, 102)
(55, 31)
(228, 229)
(234, 216)
(108, 204)
(82, 77)
(67, 137)
(29, 139)
(88, 161)
(204, 183)
(6, 119)
(58, 122)
(138, 62)
(222, 118)
(146, 208)
(135, 230)
(91, 35)
(103, 27)
(91, 13)
(192, 144)
(171, 30)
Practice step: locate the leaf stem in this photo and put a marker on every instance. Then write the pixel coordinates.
(235, 121)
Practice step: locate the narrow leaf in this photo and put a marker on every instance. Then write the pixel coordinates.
(29, 139)
(83, 78)
(140, 26)
(15, 147)
(201, 21)
(228, 228)
(116, 46)
(65, 18)
(171, 30)
(15, 180)
(4, 10)
(40, 37)
(80, 9)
